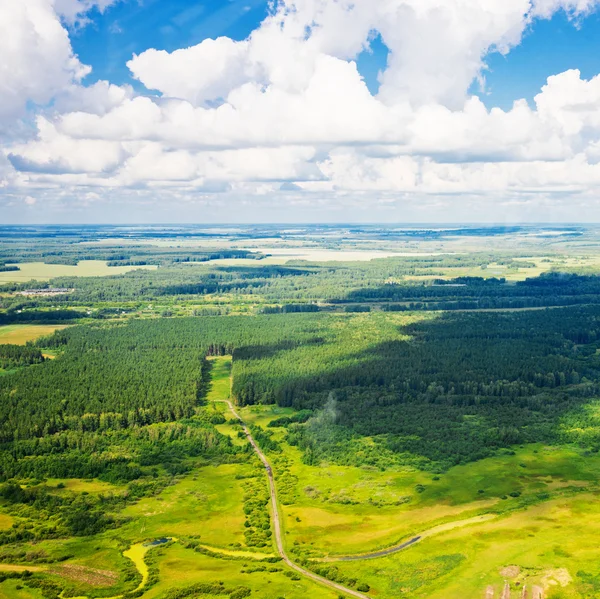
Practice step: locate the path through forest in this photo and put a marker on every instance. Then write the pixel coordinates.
(277, 517)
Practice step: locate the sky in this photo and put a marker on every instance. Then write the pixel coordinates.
(233, 111)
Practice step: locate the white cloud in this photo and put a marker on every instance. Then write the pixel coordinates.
(208, 71)
(74, 11)
(287, 112)
(37, 59)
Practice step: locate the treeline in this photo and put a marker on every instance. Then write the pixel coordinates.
(117, 376)
(448, 388)
(430, 390)
(14, 356)
(40, 316)
(57, 250)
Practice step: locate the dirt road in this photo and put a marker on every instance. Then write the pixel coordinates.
(277, 518)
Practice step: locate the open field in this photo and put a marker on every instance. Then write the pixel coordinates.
(551, 546)
(78, 485)
(38, 271)
(457, 556)
(20, 334)
(180, 568)
(345, 510)
(13, 589)
(206, 503)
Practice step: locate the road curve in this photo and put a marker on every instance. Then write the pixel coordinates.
(382, 553)
(277, 519)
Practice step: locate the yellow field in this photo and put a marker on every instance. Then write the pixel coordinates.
(39, 271)
(20, 334)
(5, 522)
(79, 485)
(552, 546)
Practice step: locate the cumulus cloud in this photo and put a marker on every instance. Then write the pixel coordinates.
(37, 58)
(286, 111)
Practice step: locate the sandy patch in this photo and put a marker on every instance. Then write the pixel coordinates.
(510, 572)
(558, 577)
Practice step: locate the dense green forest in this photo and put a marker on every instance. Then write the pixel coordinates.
(431, 390)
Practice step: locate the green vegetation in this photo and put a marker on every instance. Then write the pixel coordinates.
(448, 395)
(22, 334)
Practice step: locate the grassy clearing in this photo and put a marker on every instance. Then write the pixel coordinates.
(220, 387)
(6, 521)
(20, 334)
(340, 510)
(552, 545)
(206, 503)
(79, 485)
(13, 589)
(38, 271)
(183, 567)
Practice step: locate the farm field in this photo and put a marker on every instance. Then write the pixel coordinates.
(38, 271)
(21, 334)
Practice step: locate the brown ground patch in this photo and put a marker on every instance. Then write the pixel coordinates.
(510, 572)
(537, 593)
(506, 592)
(489, 592)
(91, 576)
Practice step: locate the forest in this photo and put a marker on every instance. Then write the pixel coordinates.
(462, 385)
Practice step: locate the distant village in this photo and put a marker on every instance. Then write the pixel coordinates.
(51, 292)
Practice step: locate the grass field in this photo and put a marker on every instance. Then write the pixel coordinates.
(206, 503)
(476, 535)
(79, 485)
(20, 334)
(38, 271)
(13, 589)
(552, 546)
(183, 567)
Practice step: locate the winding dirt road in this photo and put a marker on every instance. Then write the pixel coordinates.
(277, 518)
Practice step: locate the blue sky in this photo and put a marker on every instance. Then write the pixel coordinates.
(132, 26)
(282, 127)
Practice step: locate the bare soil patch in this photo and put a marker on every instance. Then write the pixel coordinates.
(510, 572)
(91, 576)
